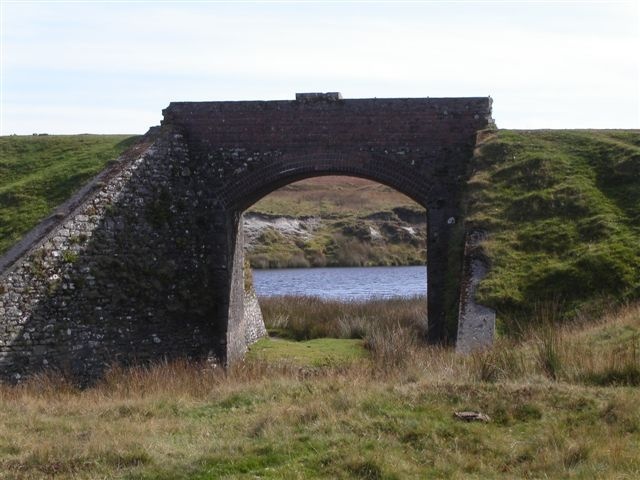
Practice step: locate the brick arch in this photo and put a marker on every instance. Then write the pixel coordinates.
(251, 186)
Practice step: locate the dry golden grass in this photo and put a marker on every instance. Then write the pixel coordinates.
(304, 317)
(390, 417)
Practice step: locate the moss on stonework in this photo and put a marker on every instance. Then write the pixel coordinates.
(69, 256)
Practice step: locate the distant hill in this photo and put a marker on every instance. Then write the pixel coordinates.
(335, 221)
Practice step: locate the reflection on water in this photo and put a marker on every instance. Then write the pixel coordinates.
(357, 283)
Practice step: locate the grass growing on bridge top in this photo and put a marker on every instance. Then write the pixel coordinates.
(38, 173)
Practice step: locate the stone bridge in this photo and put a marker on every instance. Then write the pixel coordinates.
(146, 262)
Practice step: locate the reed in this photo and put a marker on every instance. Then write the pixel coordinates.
(305, 318)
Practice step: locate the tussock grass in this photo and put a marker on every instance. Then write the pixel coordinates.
(604, 353)
(600, 353)
(285, 420)
(273, 419)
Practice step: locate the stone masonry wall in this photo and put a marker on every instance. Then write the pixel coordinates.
(477, 323)
(125, 277)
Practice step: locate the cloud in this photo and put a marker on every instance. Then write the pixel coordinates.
(140, 56)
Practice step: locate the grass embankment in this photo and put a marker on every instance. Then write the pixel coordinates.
(362, 223)
(38, 173)
(364, 418)
(562, 209)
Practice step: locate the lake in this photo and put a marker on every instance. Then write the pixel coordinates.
(345, 283)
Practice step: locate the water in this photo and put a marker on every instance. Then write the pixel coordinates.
(344, 283)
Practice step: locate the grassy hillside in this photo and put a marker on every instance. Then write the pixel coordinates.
(559, 406)
(38, 173)
(339, 241)
(563, 212)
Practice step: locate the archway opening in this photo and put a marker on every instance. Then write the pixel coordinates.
(339, 257)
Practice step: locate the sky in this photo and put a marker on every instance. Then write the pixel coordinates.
(112, 66)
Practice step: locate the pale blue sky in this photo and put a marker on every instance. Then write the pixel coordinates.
(111, 67)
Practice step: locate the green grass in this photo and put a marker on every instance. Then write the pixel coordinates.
(38, 173)
(312, 353)
(563, 212)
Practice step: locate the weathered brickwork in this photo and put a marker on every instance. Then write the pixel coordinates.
(149, 262)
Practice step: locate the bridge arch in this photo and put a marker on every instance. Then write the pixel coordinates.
(146, 262)
(419, 147)
(246, 189)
